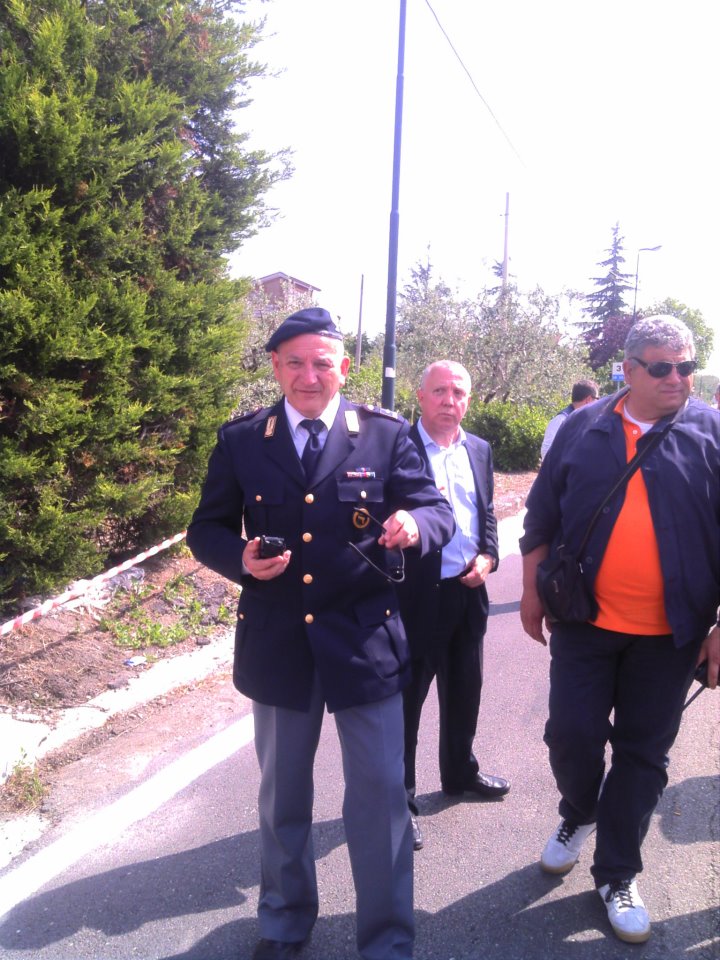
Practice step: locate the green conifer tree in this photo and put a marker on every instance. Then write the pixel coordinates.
(609, 320)
(123, 183)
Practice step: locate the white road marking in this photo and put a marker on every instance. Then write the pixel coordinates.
(509, 532)
(104, 827)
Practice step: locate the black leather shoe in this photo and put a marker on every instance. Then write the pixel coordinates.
(484, 785)
(418, 842)
(276, 949)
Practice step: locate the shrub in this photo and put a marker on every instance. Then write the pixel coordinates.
(124, 182)
(514, 432)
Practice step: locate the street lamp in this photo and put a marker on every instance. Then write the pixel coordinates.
(637, 270)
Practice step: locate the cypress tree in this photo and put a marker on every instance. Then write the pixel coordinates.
(123, 183)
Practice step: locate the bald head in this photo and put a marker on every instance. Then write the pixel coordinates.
(456, 369)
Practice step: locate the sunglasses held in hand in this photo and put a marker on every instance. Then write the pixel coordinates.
(396, 558)
(661, 368)
(701, 675)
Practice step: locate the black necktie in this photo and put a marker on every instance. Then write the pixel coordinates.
(312, 451)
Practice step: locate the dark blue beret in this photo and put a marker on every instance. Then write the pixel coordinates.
(312, 320)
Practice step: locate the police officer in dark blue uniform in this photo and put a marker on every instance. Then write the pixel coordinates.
(318, 624)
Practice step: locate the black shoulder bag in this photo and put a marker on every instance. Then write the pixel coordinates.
(565, 596)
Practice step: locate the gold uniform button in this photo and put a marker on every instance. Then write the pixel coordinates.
(241, 616)
(307, 537)
(388, 613)
(309, 618)
(363, 495)
(309, 498)
(307, 578)
(258, 498)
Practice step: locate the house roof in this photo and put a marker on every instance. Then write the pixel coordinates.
(286, 276)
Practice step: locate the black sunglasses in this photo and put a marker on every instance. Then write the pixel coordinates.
(661, 368)
(396, 558)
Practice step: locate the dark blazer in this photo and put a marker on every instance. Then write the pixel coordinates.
(682, 478)
(419, 593)
(329, 612)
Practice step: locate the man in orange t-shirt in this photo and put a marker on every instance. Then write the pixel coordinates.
(652, 562)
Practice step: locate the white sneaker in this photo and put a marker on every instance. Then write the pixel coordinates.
(626, 911)
(562, 850)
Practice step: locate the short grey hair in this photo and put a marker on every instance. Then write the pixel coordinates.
(661, 330)
(457, 368)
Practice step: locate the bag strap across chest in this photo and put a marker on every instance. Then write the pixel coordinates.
(629, 470)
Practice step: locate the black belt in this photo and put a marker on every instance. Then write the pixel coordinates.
(455, 579)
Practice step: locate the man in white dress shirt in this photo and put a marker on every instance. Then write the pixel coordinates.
(444, 601)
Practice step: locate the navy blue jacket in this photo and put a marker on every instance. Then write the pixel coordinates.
(682, 476)
(329, 611)
(419, 594)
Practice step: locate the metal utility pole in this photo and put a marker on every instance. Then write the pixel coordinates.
(389, 352)
(505, 253)
(637, 271)
(358, 342)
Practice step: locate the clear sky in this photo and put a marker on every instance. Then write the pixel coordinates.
(610, 109)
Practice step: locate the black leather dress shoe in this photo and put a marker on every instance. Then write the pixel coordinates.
(276, 949)
(484, 785)
(418, 842)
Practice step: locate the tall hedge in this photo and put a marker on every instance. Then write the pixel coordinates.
(123, 182)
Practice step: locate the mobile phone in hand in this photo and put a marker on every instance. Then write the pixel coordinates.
(271, 547)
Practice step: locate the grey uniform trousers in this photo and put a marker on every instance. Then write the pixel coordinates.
(375, 814)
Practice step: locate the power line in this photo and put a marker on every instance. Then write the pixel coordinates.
(474, 85)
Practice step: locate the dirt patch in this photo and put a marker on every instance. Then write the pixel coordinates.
(168, 605)
(511, 490)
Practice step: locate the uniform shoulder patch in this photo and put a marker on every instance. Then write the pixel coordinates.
(381, 411)
(248, 415)
(242, 418)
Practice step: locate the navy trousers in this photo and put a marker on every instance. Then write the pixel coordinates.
(642, 681)
(455, 661)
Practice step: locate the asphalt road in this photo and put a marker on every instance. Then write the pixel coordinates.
(153, 852)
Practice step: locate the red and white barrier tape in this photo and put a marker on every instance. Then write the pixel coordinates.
(84, 586)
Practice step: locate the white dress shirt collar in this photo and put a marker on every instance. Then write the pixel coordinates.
(327, 416)
(428, 440)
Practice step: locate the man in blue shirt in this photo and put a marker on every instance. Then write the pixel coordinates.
(583, 393)
(444, 601)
